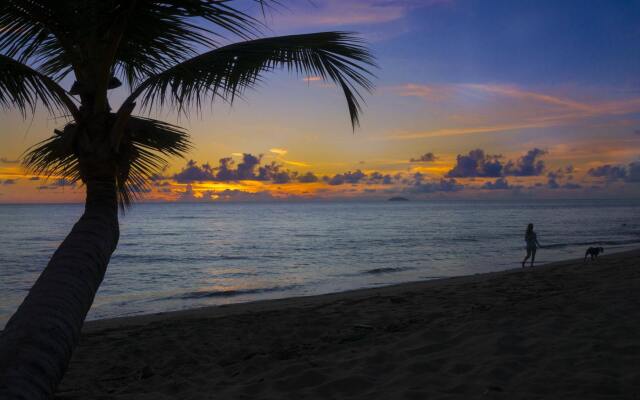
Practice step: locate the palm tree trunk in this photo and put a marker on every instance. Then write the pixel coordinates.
(37, 342)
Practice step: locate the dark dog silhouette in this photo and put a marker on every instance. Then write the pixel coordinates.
(593, 252)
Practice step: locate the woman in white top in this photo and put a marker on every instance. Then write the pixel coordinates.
(531, 239)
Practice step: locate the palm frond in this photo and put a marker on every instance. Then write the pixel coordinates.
(23, 87)
(144, 151)
(165, 33)
(26, 24)
(54, 156)
(226, 72)
(58, 35)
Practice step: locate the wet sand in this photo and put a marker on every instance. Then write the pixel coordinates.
(560, 331)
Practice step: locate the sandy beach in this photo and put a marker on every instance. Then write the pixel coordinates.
(566, 330)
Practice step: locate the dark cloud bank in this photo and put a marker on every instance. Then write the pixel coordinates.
(613, 173)
(562, 174)
(475, 164)
(56, 184)
(478, 164)
(250, 168)
(426, 157)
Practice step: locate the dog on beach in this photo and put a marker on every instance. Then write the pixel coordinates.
(593, 252)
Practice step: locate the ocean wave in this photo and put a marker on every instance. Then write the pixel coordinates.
(41, 239)
(176, 259)
(592, 243)
(385, 270)
(462, 239)
(223, 257)
(203, 294)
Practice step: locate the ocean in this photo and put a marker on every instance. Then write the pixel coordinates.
(174, 256)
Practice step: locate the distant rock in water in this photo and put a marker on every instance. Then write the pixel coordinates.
(398, 199)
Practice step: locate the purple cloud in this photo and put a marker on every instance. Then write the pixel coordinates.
(499, 184)
(527, 165)
(426, 157)
(609, 172)
(476, 164)
(346, 178)
(309, 177)
(194, 173)
(444, 185)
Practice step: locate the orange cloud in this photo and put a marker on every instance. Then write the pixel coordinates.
(527, 114)
(429, 92)
(280, 152)
(468, 130)
(352, 12)
(295, 163)
(517, 93)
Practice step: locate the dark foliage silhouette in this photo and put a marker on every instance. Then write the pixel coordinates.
(153, 47)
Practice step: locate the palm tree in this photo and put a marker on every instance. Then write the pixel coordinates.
(169, 54)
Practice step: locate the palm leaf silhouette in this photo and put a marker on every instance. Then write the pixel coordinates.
(142, 155)
(227, 71)
(172, 53)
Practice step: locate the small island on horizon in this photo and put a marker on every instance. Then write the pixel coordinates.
(398, 199)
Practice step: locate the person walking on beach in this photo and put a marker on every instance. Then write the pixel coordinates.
(531, 239)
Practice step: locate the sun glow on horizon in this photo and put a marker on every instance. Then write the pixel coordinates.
(513, 94)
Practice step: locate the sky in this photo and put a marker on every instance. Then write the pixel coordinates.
(474, 99)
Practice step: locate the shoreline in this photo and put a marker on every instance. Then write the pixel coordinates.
(561, 330)
(217, 311)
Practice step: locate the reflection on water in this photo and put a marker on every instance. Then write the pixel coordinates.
(175, 256)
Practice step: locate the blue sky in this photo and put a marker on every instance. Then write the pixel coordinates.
(529, 42)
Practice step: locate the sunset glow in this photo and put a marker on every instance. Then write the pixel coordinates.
(553, 109)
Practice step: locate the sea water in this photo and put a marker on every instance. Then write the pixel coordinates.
(174, 256)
